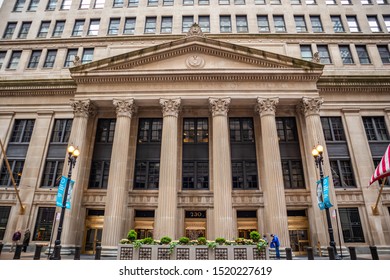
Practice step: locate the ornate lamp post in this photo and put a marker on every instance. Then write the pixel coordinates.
(73, 153)
(319, 160)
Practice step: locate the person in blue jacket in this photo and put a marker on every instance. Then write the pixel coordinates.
(275, 244)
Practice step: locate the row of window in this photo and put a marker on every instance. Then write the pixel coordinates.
(51, 5)
(347, 56)
(116, 26)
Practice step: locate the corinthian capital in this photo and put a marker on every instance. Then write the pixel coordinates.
(266, 106)
(125, 107)
(82, 108)
(170, 107)
(310, 106)
(219, 106)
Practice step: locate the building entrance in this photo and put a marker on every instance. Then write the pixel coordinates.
(93, 230)
(298, 227)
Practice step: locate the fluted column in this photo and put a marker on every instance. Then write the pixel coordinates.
(117, 191)
(73, 222)
(222, 169)
(310, 108)
(166, 221)
(275, 212)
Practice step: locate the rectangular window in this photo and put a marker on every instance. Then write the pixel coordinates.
(387, 22)
(133, 3)
(286, 129)
(374, 24)
(337, 24)
(93, 29)
(152, 2)
(353, 24)
(366, 2)
(150, 25)
(239, 2)
(50, 59)
(351, 225)
(259, 2)
(150, 131)
(316, 24)
(279, 24)
(59, 28)
(118, 3)
(244, 174)
(225, 24)
(52, 173)
(34, 59)
(113, 28)
(33, 5)
(295, 2)
(384, 54)
(166, 24)
(2, 57)
(311, 2)
(306, 52)
(99, 4)
(203, 2)
(195, 175)
(324, 55)
(24, 30)
(19, 4)
(146, 175)
(9, 31)
(44, 224)
(300, 24)
(66, 4)
(195, 131)
(224, 2)
(346, 55)
(188, 2)
(330, 2)
(129, 27)
(375, 128)
(61, 131)
(262, 23)
(364, 58)
(204, 23)
(14, 60)
(167, 2)
(16, 169)
(187, 23)
(345, 2)
(105, 131)
(22, 131)
(4, 215)
(84, 4)
(275, 2)
(100, 170)
(342, 173)
(44, 29)
(241, 130)
(242, 24)
(382, 2)
(78, 27)
(87, 55)
(333, 129)
(51, 5)
(70, 57)
(293, 174)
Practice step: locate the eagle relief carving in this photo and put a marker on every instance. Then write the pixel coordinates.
(195, 61)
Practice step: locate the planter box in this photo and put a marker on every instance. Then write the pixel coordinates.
(188, 252)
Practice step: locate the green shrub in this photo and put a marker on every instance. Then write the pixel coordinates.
(255, 236)
(165, 240)
(148, 240)
(202, 241)
(184, 240)
(220, 240)
(132, 235)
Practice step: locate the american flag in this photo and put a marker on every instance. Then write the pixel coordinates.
(383, 168)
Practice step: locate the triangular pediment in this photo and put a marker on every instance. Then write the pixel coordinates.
(195, 55)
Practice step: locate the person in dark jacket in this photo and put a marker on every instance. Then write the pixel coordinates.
(15, 239)
(26, 239)
(275, 244)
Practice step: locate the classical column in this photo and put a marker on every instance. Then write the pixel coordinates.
(166, 221)
(222, 169)
(79, 137)
(275, 212)
(313, 135)
(117, 191)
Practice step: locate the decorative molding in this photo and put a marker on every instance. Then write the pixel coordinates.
(253, 199)
(219, 106)
(82, 108)
(266, 106)
(195, 30)
(349, 197)
(195, 61)
(94, 198)
(125, 107)
(170, 107)
(301, 198)
(311, 106)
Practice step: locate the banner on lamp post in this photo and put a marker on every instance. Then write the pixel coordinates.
(321, 204)
(325, 192)
(61, 191)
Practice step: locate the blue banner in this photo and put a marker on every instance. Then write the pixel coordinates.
(61, 191)
(321, 204)
(325, 191)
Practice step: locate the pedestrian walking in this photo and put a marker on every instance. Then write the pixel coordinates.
(275, 244)
(15, 239)
(26, 239)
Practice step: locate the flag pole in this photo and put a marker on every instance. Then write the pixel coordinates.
(22, 207)
(374, 208)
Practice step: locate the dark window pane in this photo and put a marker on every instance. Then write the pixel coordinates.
(44, 224)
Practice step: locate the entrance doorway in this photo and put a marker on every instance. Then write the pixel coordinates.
(93, 230)
(298, 228)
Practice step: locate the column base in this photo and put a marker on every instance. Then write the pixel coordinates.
(109, 251)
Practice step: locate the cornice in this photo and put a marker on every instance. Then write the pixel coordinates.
(37, 87)
(355, 84)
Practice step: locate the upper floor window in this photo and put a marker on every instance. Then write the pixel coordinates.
(99, 4)
(93, 29)
(70, 57)
(384, 54)
(374, 24)
(203, 2)
(66, 4)
(16, 169)
(241, 130)
(295, 2)
(242, 24)
(195, 175)
(345, 2)
(187, 23)
(19, 4)
(259, 2)
(150, 130)
(44, 29)
(387, 22)
(61, 131)
(150, 25)
(225, 24)
(330, 2)
(316, 24)
(113, 28)
(300, 24)
(382, 2)
(324, 54)
(34, 59)
(188, 2)
(146, 175)
(306, 52)
(244, 174)
(78, 27)
(366, 2)
(286, 129)
(50, 59)
(337, 24)
(293, 174)
(87, 55)
(133, 3)
(105, 131)
(2, 57)
(152, 2)
(239, 2)
(224, 2)
(275, 2)
(22, 131)
(204, 23)
(118, 3)
(52, 173)
(353, 24)
(364, 58)
(346, 55)
(375, 128)
(168, 2)
(129, 27)
(33, 5)
(195, 131)
(84, 4)
(98, 178)
(262, 23)
(59, 28)
(9, 30)
(342, 173)
(279, 24)
(24, 30)
(333, 128)
(51, 5)
(14, 60)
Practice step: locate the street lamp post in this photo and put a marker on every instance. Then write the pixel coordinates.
(317, 153)
(73, 153)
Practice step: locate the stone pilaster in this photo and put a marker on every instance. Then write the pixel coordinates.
(222, 170)
(166, 218)
(310, 109)
(275, 212)
(73, 222)
(117, 190)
